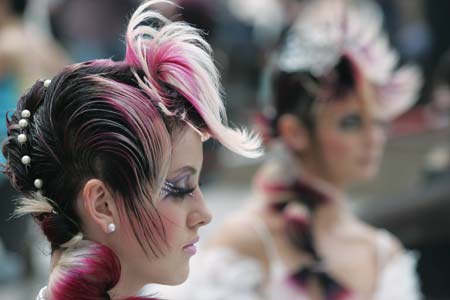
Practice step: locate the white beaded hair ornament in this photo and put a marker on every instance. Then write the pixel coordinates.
(22, 138)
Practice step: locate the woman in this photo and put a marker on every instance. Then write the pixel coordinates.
(334, 84)
(108, 155)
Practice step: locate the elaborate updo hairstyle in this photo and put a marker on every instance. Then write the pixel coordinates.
(114, 121)
(325, 55)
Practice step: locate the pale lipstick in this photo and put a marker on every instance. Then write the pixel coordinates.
(191, 248)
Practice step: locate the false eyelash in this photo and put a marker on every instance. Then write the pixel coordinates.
(170, 189)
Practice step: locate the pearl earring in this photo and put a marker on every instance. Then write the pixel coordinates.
(111, 227)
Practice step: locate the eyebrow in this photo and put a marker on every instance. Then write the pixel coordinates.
(182, 171)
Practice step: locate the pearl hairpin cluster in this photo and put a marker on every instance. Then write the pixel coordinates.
(22, 138)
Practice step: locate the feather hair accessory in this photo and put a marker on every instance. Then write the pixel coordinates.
(326, 30)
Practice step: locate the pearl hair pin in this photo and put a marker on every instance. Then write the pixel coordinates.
(47, 83)
(38, 183)
(22, 138)
(25, 114)
(23, 123)
(26, 160)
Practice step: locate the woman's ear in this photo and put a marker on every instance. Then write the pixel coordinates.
(99, 205)
(293, 133)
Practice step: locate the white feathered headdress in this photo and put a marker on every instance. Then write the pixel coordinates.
(326, 30)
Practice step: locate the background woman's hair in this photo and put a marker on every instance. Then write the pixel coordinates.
(298, 92)
(326, 41)
(114, 121)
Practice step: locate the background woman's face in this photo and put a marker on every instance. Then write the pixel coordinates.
(182, 214)
(348, 141)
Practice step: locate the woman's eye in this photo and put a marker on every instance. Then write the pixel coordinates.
(279, 206)
(350, 122)
(171, 190)
(182, 193)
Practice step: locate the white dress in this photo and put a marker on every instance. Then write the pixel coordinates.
(42, 294)
(224, 274)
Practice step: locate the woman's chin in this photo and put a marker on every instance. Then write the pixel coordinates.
(177, 278)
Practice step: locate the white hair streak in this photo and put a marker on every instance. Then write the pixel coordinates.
(71, 257)
(189, 69)
(73, 242)
(35, 203)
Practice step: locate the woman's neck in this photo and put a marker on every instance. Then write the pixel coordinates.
(329, 215)
(125, 287)
(333, 211)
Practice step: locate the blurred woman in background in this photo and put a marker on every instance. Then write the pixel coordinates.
(335, 84)
(108, 155)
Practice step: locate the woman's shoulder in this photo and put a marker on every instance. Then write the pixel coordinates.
(383, 242)
(387, 246)
(391, 261)
(396, 264)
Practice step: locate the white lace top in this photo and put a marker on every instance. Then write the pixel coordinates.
(224, 274)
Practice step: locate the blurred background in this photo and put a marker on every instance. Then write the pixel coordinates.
(410, 197)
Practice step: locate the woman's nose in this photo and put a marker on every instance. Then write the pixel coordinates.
(200, 214)
(375, 135)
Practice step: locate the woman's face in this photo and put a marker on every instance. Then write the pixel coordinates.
(348, 141)
(182, 213)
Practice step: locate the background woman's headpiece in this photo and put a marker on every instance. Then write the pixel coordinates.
(327, 30)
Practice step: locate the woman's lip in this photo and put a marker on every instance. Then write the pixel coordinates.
(191, 248)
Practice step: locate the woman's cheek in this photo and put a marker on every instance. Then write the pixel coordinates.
(172, 220)
(337, 146)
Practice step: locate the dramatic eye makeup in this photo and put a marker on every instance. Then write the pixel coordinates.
(170, 189)
(350, 122)
(181, 186)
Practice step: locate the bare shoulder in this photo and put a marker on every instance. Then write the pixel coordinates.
(238, 234)
(383, 242)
